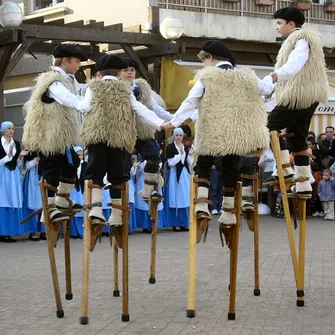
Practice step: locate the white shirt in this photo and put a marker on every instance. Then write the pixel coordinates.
(191, 103)
(180, 157)
(267, 161)
(146, 115)
(295, 62)
(6, 145)
(31, 164)
(61, 94)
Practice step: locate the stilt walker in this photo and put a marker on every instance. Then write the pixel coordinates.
(109, 133)
(148, 149)
(51, 129)
(227, 126)
(301, 83)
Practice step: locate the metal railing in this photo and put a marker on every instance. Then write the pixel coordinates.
(249, 8)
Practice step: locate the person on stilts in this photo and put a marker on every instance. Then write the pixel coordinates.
(109, 133)
(51, 128)
(231, 122)
(145, 144)
(301, 83)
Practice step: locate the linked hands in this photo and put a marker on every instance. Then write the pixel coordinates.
(167, 126)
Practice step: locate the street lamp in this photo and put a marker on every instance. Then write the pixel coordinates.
(171, 28)
(11, 15)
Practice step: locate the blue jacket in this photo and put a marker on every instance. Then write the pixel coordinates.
(326, 190)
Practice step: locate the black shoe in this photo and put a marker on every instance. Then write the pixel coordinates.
(147, 231)
(33, 237)
(175, 229)
(43, 236)
(183, 229)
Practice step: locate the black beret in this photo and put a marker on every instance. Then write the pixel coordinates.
(111, 62)
(290, 14)
(131, 62)
(217, 48)
(99, 62)
(69, 50)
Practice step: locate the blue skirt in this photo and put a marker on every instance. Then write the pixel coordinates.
(143, 220)
(10, 221)
(132, 218)
(33, 225)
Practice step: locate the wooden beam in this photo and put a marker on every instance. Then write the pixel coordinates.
(59, 22)
(142, 68)
(114, 27)
(8, 36)
(47, 48)
(39, 32)
(5, 55)
(158, 50)
(19, 52)
(154, 16)
(2, 103)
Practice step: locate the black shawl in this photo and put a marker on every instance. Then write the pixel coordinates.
(171, 151)
(13, 163)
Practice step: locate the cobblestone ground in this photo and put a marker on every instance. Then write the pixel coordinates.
(27, 303)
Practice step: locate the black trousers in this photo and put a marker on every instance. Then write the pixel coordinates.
(56, 168)
(149, 151)
(115, 162)
(296, 121)
(230, 170)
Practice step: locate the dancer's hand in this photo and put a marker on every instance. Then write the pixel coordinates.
(274, 77)
(167, 126)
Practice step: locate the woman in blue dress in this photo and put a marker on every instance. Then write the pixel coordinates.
(177, 190)
(32, 200)
(132, 215)
(10, 184)
(141, 207)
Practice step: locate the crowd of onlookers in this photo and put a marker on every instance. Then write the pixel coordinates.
(20, 195)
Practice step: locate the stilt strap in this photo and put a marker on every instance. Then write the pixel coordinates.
(201, 180)
(230, 210)
(230, 189)
(286, 165)
(203, 200)
(253, 176)
(286, 135)
(120, 187)
(153, 183)
(90, 206)
(303, 153)
(49, 187)
(121, 207)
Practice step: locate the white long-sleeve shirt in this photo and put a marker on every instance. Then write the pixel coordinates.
(180, 157)
(31, 164)
(191, 103)
(6, 145)
(295, 62)
(160, 111)
(62, 95)
(145, 114)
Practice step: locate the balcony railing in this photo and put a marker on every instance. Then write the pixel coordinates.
(246, 8)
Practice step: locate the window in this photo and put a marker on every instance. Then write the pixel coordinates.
(44, 4)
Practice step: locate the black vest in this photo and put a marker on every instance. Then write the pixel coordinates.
(79, 184)
(171, 151)
(13, 163)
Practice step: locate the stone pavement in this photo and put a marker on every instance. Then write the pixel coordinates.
(27, 304)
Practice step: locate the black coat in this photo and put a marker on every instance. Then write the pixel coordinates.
(13, 163)
(171, 151)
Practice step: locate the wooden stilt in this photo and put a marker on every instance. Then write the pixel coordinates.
(192, 253)
(302, 246)
(86, 256)
(234, 252)
(154, 220)
(276, 151)
(50, 232)
(68, 294)
(257, 291)
(125, 220)
(116, 292)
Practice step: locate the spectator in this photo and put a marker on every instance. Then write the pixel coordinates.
(311, 133)
(321, 137)
(10, 184)
(326, 192)
(325, 147)
(177, 195)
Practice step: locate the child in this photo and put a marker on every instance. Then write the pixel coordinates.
(326, 190)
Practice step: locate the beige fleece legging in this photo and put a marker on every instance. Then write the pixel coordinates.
(328, 208)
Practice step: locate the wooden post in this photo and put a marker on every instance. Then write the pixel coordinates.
(2, 102)
(67, 251)
(257, 291)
